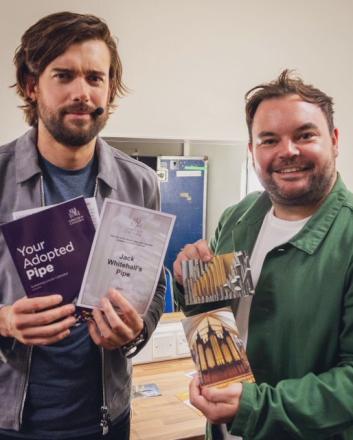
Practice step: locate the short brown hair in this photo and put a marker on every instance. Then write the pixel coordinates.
(287, 84)
(50, 37)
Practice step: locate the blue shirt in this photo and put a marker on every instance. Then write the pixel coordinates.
(61, 184)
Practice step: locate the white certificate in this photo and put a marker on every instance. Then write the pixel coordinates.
(127, 254)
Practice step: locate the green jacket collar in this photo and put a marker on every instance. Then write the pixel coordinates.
(309, 238)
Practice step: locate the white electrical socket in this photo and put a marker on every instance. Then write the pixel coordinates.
(163, 346)
(167, 342)
(182, 346)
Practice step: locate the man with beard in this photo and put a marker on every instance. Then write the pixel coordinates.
(299, 233)
(57, 380)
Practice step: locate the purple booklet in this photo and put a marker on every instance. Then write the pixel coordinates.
(50, 248)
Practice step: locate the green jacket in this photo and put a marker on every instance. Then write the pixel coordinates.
(300, 342)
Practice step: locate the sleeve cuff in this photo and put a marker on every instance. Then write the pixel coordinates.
(240, 422)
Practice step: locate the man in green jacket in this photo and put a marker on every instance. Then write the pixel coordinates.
(299, 233)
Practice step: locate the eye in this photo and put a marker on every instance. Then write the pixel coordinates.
(306, 136)
(268, 142)
(95, 79)
(63, 76)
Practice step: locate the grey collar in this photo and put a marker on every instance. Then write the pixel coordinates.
(27, 164)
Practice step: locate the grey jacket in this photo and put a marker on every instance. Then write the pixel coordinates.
(119, 177)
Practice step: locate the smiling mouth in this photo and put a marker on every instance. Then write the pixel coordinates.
(289, 170)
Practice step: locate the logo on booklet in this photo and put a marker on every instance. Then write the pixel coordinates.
(74, 216)
(74, 212)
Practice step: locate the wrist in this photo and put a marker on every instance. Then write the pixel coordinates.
(134, 346)
(4, 328)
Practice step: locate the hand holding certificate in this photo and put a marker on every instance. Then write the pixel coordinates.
(111, 329)
(127, 255)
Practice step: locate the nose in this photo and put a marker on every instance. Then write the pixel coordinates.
(288, 148)
(80, 90)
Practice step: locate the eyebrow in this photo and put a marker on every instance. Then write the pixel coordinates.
(96, 72)
(263, 134)
(88, 72)
(307, 126)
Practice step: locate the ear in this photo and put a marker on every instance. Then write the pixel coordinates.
(31, 88)
(251, 151)
(334, 137)
(111, 94)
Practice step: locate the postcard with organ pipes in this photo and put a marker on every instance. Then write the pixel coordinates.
(224, 277)
(216, 348)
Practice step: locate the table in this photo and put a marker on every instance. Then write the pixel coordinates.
(165, 417)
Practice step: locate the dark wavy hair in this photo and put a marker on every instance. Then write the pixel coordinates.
(50, 37)
(287, 84)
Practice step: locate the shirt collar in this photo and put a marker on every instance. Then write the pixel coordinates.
(313, 233)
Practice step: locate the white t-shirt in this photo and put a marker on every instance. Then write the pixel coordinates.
(274, 232)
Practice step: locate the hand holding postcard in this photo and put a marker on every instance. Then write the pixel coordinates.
(127, 254)
(216, 348)
(224, 277)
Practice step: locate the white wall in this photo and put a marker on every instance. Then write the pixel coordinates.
(226, 172)
(188, 63)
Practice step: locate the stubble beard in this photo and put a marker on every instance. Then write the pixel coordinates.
(318, 187)
(79, 133)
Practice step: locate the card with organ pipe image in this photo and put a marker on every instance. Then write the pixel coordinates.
(217, 349)
(127, 254)
(50, 248)
(224, 277)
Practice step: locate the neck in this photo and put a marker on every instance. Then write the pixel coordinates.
(63, 156)
(292, 213)
(298, 212)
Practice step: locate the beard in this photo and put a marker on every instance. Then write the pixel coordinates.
(77, 134)
(318, 186)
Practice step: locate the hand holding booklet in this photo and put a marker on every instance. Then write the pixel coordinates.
(53, 253)
(127, 254)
